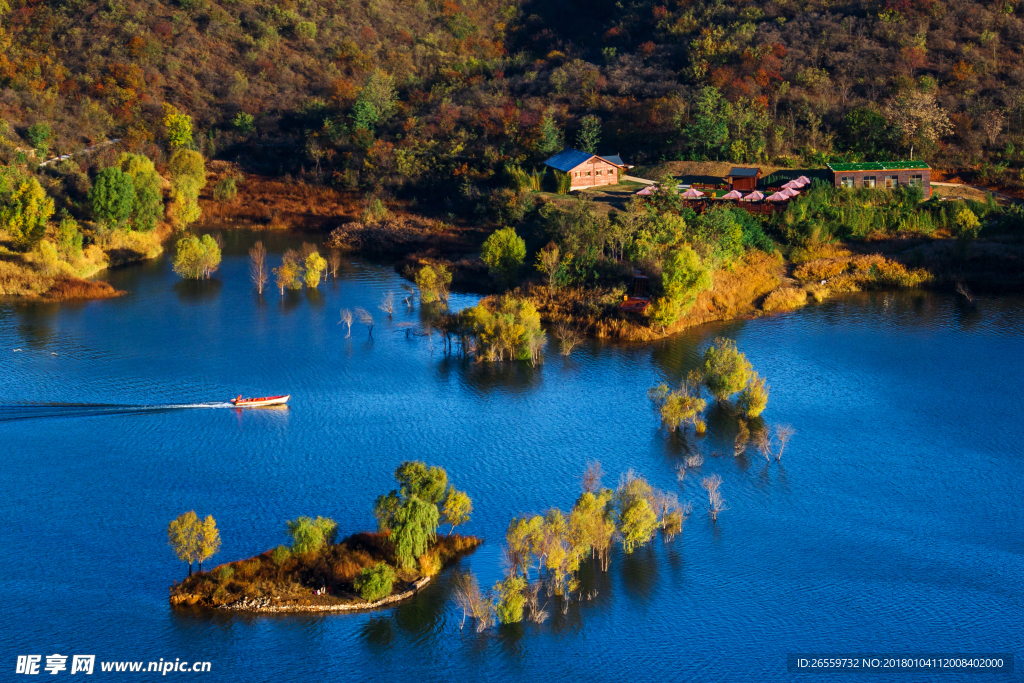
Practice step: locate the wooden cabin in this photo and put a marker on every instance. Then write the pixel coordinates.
(886, 175)
(743, 179)
(587, 170)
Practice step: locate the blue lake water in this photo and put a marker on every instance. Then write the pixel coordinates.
(895, 523)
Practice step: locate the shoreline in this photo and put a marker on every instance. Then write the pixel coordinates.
(266, 606)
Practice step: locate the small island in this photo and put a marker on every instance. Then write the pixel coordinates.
(317, 573)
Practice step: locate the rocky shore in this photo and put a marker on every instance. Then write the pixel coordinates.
(247, 604)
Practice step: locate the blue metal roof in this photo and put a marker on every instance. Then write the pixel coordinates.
(569, 158)
(739, 172)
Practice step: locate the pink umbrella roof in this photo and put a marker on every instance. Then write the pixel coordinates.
(790, 192)
(791, 185)
(754, 196)
(693, 193)
(734, 194)
(649, 190)
(804, 179)
(778, 197)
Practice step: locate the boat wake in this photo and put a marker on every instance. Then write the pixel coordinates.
(35, 411)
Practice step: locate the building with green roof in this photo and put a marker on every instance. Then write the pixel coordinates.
(883, 175)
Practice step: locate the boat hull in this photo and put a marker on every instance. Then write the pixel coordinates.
(260, 402)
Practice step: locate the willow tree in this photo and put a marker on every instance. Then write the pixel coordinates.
(410, 513)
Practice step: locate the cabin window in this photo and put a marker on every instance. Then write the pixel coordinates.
(846, 181)
(869, 181)
(588, 174)
(917, 181)
(892, 182)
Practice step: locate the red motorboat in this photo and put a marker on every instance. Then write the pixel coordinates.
(259, 402)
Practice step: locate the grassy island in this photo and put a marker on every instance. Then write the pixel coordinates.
(317, 573)
(288, 581)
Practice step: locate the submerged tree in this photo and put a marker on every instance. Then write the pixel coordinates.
(726, 370)
(716, 503)
(346, 318)
(196, 258)
(258, 266)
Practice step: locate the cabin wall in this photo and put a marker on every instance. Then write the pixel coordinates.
(594, 173)
(902, 178)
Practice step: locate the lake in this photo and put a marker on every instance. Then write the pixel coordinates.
(894, 523)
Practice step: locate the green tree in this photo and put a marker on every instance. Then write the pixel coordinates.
(549, 139)
(753, 398)
(504, 252)
(244, 123)
(188, 177)
(589, 134)
(311, 535)
(511, 600)
(39, 135)
(196, 258)
(374, 583)
(25, 208)
(306, 30)
(725, 370)
(413, 528)
(112, 197)
(410, 513)
(637, 521)
(433, 282)
(457, 508)
(376, 101)
(523, 538)
(683, 277)
(148, 207)
(178, 127)
(709, 127)
(315, 266)
(183, 537)
(280, 555)
(967, 225)
(677, 408)
(69, 240)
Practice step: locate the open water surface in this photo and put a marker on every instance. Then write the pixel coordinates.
(895, 523)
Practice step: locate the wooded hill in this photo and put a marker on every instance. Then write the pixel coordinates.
(435, 98)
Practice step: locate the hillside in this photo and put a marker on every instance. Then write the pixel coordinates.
(440, 95)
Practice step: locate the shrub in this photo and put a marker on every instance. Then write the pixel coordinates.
(306, 30)
(311, 535)
(511, 600)
(784, 299)
(430, 564)
(753, 399)
(374, 583)
(504, 252)
(249, 568)
(225, 573)
(280, 555)
(225, 190)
